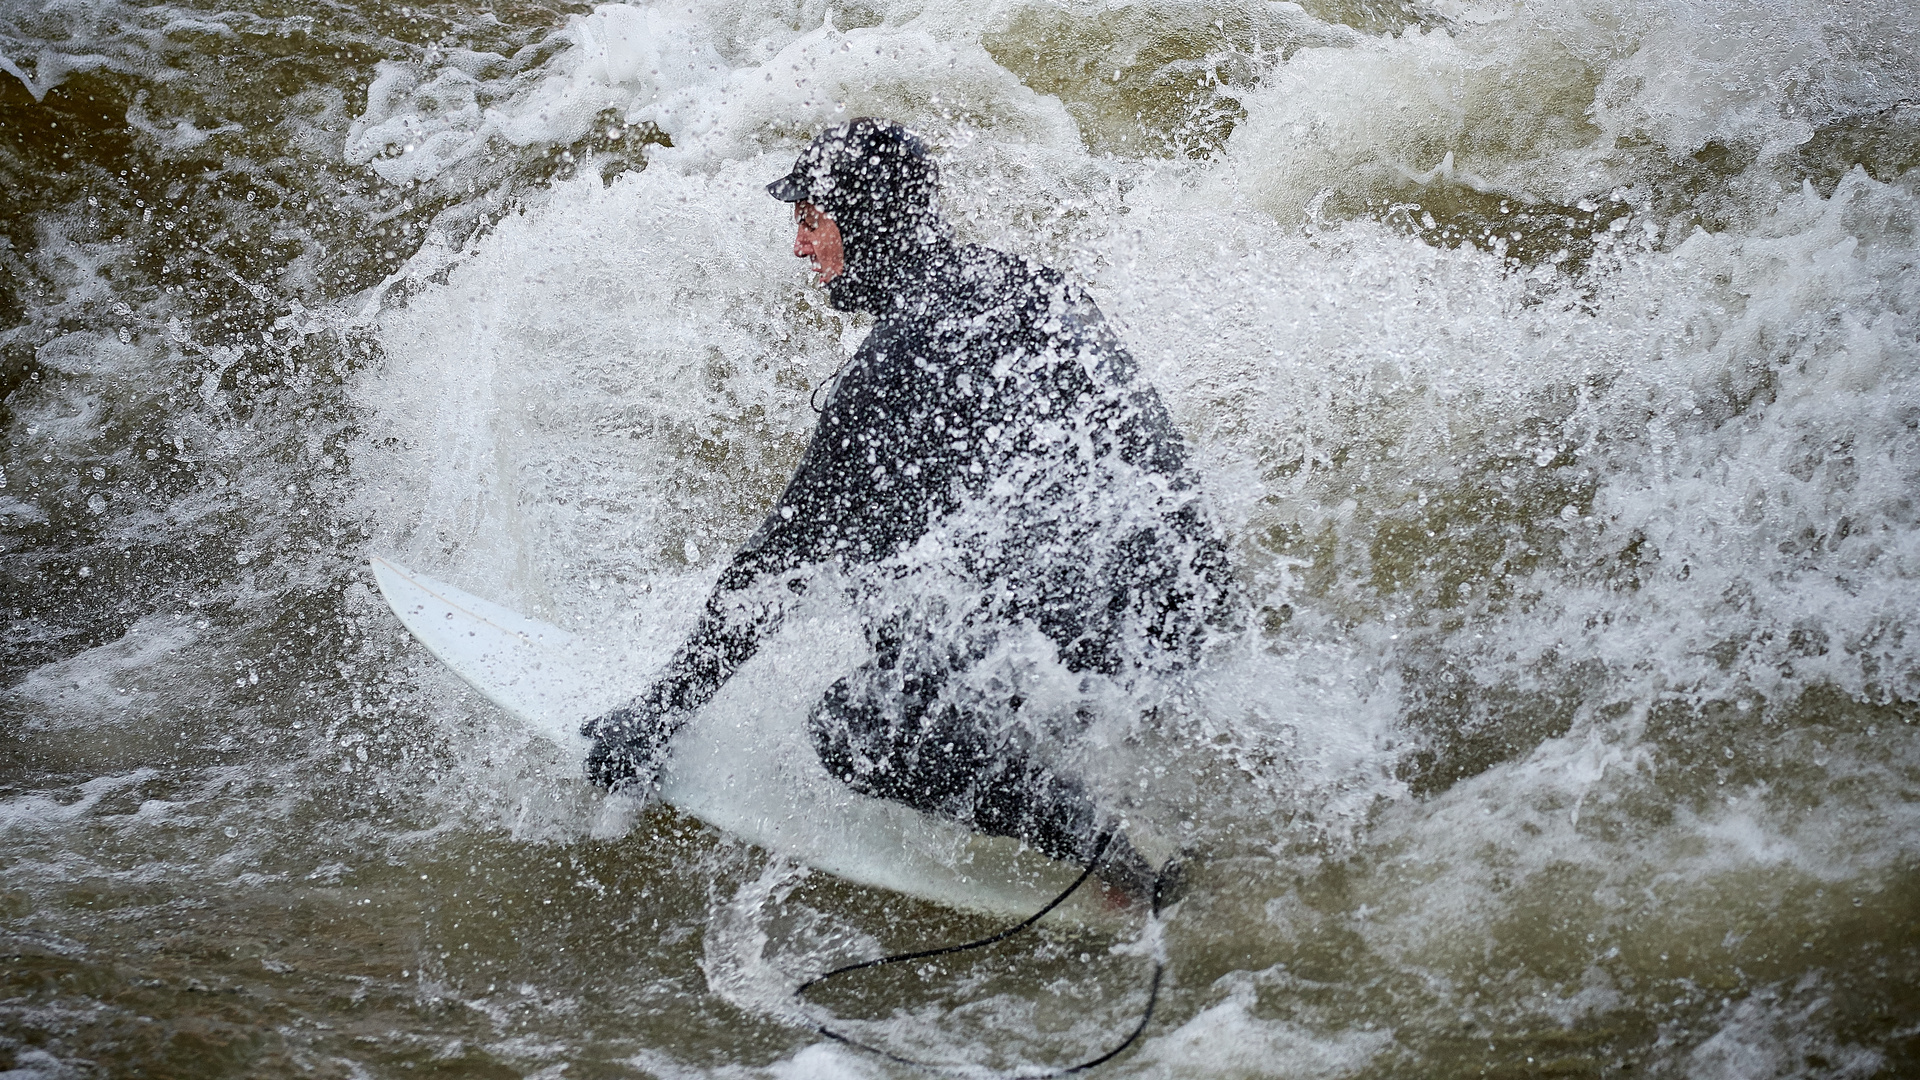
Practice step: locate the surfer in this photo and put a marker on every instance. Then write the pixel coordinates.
(992, 464)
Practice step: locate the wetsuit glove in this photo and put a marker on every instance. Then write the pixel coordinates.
(629, 746)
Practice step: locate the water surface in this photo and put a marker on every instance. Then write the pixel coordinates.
(1553, 368)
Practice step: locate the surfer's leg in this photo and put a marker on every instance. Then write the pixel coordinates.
(910, 746)
(875, 744)
(916, 750)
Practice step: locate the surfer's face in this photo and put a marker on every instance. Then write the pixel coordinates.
(818, 241)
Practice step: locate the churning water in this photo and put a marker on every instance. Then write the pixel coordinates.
(1555, 367)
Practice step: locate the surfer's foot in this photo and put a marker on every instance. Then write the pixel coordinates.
(1125, 871)
(1169, 885)
(1129, 879)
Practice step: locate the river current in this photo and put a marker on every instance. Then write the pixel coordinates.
(1554, 368)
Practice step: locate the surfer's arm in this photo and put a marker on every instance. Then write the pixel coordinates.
(836, 508)
(629, 743)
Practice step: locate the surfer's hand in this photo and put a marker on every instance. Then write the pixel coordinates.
(629, 744)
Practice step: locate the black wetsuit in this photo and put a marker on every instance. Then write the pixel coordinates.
(991, 401)
(988, 464)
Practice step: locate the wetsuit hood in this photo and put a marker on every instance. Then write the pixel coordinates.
(877, 182)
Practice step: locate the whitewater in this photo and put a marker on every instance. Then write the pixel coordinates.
(1554, 371)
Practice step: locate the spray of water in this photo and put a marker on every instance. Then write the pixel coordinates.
(1553, 371)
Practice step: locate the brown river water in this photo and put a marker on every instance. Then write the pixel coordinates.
(1555, 369)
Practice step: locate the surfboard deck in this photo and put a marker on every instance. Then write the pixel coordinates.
(744, 766)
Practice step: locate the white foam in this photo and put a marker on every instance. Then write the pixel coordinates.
(1289, 348)
(1228, 1040)
(1776, 1033)
(598, 401)
(438, 122)
(110, 686)
(1559, 102)
(38, 813)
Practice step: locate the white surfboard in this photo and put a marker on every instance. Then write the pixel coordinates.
(747, 769)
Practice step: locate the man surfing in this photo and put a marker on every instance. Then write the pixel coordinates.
(991, 476)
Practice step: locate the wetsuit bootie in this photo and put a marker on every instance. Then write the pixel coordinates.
(1125, 871)
(1170, 884)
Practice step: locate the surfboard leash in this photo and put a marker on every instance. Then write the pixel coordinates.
(1146, 1014)
(1099, 853)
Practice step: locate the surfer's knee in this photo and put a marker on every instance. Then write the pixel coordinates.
(835, 727)
(1039, 807)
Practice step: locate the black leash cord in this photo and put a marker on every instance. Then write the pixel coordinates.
(1099, 852)
(1146, 1015)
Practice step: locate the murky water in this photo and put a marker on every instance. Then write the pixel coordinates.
(1555, 367)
